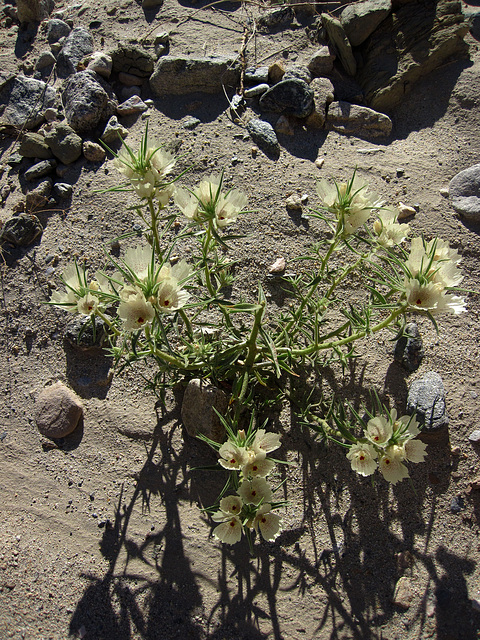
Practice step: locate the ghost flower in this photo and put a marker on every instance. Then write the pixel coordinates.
(362, 458)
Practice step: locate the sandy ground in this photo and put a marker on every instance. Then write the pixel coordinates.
(101, 537)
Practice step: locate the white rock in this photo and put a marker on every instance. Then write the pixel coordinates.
(58, 411)
(278, 266)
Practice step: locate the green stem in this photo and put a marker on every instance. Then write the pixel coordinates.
(108, 322)
(154, 227)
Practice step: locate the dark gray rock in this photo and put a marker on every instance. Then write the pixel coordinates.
(62, 190)
(256, 75)
(190, 122)
(321, 62)
(33, 145)
(256, 91)
(151, 4)
(77, 45)
(276, 18)
(352, 119)
(338, 38)
(178, 75)
(29, 11)
(40, 170)
(457, 504)
(45, 60)
(58, 411)
(263, 134)
(57, 29)
(426, 399)
(26, 100)
(408, 45)
(298, 71)
(86, 333)
(88, 101)
(198, 413)
(464, 192)
(131, 106)
(133, 59)
(21, 230)
(409, 351)
(39, 196)
(289, 97)
(360, 20)
(65, 144)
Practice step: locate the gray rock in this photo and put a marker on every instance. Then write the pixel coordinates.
(130, 79)
(39, 196)
(351, 119)
(409, 351)
(131, 106)
(40, 170)
(263, 134)
(162, 37)
(257, 90)
(256, 75)
(337, 36)
(93, 152)
(58, 411)
(289, 97)
(178, 75)
(321, 62)
(457, 504)
(114, 131)
(5, 78)
(134, 60)
(57, 29)
(65, 144)
(86, 333)
(237, 106)
(323, 96)
(404, 593)
(408, 45)
(34, 10)
(361, 19)
(276, 18)
(33, 145)
(190, 122)
(464, 192)
(151, 4)
(128, 92)
(101, 63)
(21, 230)
(298, 71)
(426, 398)
(62, 190)
(88, 101)
(26, 100)
(45, 59)
(475, 436)
(78, 44)
(198, 413)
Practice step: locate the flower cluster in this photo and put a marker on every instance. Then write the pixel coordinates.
(431, 270)
(252, 507)
(389, 231)
(79, 295)
(386, 443)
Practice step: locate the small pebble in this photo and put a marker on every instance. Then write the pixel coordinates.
(475, 436)
(405, 211)
(294, 202)
(319, 162)
(445, 192)
(278, 266)
(457, 504)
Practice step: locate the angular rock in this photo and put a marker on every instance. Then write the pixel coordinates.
(426, 398)
(360, 20)
(284, 126)
(77, 45)
(21, 230)
(86, 333)
(57, 29)
(351, 119)
(298, 71)
(404, 594)
(114, 131)
(464, 192)
(198, 413)
(409, 351)
(88, 101)
(276, 18)
(256, 75)
(276, 71)
(65, 144)
(63, 190)
(38, 197)
(101, 63)
(58, 411)
(26, 100)
(93, 152)
(475, 436)
(289, 97)
(323, 92)
(340, 42)
(131, 106)
(321, 62)
(34, 10)
(33, 145)
(408, 45)
(190, 122)
(40, 170)
(45, 59)
(133, 59)
(263, 134)
(178, 75)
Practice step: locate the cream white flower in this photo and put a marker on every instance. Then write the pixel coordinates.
(255, 491)
(431, 297)
(139, 260)
(75, 280)
(391, 466)
(65, 300)
(362, 458)
(415, 450)
(411, 423)
(388, 230)
(134, 309)
(231, 456)
(229, 506)
(170, 296)
(267, 522)
(229, 531)
(379, 430)
(87, 304)
(260, 468)
(265, 442)
(435, 262)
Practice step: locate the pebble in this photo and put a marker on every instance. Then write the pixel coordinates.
(475, 436)
(114, 131)
(40, 170)
(294, 202)
(257, 90)
(404, 211)
(62, 190)
(404, 594)
(409, 351)
(93, 151)
(284, 126)
(445, 192)
(319, 162)
(291, 97)
(464, 191)
(190, 122)
(264, 136)
(198, 413)
(133, 105)
(58, 411)
(278, 266)
(256, 75)
(457, 504)
(426, 398)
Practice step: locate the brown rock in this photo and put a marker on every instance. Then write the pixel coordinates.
(404, 593)
(198, 413)
(352, 119)
(276, 72)
(58, 411)
(93, 151)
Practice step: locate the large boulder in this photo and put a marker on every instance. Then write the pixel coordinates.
(88, 101)
(178, 75)
(360, 20)
(26, 100)
(78, 45)
(34, 10)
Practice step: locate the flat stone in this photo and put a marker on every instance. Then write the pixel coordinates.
(88, 101)
(352, 119)
(426, 399)
(130, 79)
(256, 75)
(21, 230)
(256, 90)
(101, 63)
(178, 75)
(464, 192)
(93, 152)
(57, 29)
(33, 145)
(45, 59)
(26, 100)
(77, 46)
(198, 413)
(114, 131)
(58, 410)
(409, 351)
(64, 142)
(360, 20)
(321, 62)
(263, 134)
(131, 106)
(338, 38)
(133, 59)
(289, 97)
(40, 170)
